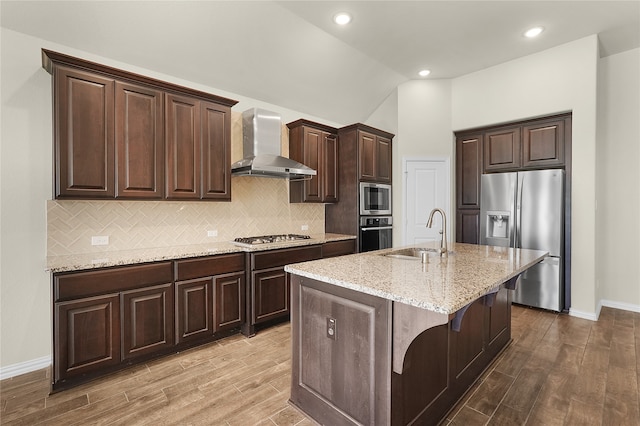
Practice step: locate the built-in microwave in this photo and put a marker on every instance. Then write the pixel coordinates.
(375, 199)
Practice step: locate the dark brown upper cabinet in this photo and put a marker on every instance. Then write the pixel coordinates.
(183, 147)
(502, 149)
(532, 145)
(123, 135)
(543, 144)
(527, 145)
(468, 170)
(215, 128)
(314, 145)
(139, 141)
(83, 134)
(375, 157)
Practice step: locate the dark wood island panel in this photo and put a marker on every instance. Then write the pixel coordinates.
(363, 360)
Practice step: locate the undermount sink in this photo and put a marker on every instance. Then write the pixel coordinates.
(413, 253)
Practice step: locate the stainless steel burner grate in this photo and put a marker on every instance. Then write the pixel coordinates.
(265, 239)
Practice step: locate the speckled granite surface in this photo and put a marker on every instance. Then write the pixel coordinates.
(128, 257)
(442, 285)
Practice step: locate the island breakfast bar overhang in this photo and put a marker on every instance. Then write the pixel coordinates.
(389, 340)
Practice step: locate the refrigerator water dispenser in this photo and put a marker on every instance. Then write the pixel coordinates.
(498, 224)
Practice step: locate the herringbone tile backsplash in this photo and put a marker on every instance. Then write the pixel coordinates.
(259, 206)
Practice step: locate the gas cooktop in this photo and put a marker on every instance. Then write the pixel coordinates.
(266, 239)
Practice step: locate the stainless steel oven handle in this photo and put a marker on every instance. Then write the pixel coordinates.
(378, 228)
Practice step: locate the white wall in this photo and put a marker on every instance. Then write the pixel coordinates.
(556, 80)
(26, 185)
(25, 131)
(618, 182)
(424, 129)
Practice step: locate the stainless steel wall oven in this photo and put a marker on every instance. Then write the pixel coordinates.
(375, 233)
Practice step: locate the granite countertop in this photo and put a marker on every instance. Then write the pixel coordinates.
(128, 257)
(443, 285)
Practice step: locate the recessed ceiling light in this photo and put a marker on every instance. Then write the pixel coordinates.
(424, 73)
(533, 32)
(342, 18)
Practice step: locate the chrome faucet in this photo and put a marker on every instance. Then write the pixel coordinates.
(443, 232)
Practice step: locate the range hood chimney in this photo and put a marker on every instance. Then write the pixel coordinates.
(261, 149)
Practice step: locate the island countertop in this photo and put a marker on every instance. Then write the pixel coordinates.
(443, 285)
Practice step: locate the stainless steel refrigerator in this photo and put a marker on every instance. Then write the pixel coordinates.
(526, 210)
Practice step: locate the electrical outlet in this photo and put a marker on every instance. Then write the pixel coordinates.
(212, 233)
(305, 227)
(102, 240)
(332, 326)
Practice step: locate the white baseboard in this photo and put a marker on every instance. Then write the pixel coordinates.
(620, 305)
(584, 315)
(24, 367)
(609, 304)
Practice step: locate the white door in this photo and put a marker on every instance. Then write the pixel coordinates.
(427, 186)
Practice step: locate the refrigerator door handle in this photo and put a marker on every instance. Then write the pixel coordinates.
(518, 242)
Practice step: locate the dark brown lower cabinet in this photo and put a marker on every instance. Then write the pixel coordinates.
(338, 248)
(106, 319)
(268, 286)
(194, 310)
(147, 315)
(442, 363)
(210, 296)
(468, 226)
(270, 294)
(87, 335)
(230, 301)
(347, 367)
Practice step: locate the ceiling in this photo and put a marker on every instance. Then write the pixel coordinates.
(291, 54)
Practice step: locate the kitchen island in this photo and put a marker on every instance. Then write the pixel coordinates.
(380, 338)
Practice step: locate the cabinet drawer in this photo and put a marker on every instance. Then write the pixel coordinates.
(338, 248)
(74, 285)
(209, 266)
(274, 258)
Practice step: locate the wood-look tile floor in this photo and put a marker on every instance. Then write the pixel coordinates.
(559, 370)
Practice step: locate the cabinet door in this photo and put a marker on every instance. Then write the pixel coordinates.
(383, 159)
(312, 157)
(86, 335)
(330, 168)
(271, 294)
(216, 151)
(84, 142)
(147, 320)
(499, 315)
(194, 309)
(468, 171)
(543, 144)
(468, 226)
(367, 156)
(139, 141)
(467, 344)
(502, 149)
(230, 300)
(183, 146)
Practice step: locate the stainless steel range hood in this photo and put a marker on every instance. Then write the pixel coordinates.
(261, 149)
